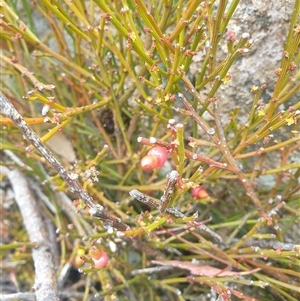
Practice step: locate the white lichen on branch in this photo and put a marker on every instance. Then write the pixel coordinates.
(7, 109)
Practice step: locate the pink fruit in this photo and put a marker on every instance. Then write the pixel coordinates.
(149, 162)
(102, 261)
(160, 153)
(199, 193)
(99, 257)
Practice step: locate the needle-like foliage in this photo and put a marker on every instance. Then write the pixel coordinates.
(87, 89)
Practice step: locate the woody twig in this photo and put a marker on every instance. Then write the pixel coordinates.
(96, 210)
(221, 144)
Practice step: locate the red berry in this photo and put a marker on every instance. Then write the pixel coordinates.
(160, 153)
(199, 193)
(149, 162)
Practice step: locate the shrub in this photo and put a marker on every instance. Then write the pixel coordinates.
(101, 83)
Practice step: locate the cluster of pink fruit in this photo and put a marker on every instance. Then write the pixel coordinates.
(156, 158)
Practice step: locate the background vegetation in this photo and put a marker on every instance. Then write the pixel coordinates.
(101, 82)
